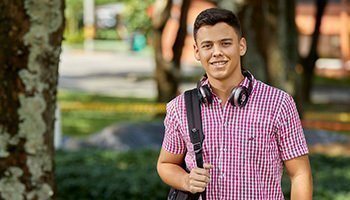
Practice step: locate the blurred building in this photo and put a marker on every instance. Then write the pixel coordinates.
(107, 15)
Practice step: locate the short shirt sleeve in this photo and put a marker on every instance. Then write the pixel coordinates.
(290, 135)
(173, 141)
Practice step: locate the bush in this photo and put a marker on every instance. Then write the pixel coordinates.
(106, 34)
(96, 174)
(331, 178)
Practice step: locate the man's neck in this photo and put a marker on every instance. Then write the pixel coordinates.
(223, 88)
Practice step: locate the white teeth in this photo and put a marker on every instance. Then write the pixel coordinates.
(218, 63)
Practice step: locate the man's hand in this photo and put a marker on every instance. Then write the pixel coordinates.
(198, 179)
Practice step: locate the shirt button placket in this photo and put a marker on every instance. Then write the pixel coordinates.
(222, 154)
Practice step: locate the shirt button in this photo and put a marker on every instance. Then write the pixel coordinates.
(219, 100)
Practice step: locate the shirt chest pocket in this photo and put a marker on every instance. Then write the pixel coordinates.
(256, 140)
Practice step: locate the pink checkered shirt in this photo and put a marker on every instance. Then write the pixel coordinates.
(246, 146)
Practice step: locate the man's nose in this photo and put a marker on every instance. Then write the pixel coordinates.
(217, 51)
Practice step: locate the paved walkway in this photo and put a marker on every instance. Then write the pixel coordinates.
(130, 74)
(119, 74)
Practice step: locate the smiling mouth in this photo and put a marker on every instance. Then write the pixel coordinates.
(218, 63)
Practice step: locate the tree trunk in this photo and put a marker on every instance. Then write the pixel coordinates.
(181, 34)
(308, 62)
(168, 73)
(272, 41)
(165, 79)
(30, 37)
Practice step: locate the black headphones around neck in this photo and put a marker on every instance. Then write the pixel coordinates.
(239, 95)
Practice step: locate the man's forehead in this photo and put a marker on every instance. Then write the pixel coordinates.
(218, 31)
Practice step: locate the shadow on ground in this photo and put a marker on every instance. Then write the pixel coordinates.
(140, 135)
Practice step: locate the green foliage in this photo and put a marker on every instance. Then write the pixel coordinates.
(74, 37)
(136, 17)
(106, 34)
(336, 82)
(331, 178)
(74, 21)
(84, 97)
(96, 174)
(108, 175)
(102, 2)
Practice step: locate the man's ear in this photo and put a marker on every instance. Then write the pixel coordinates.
(196, 52)
(242, 46)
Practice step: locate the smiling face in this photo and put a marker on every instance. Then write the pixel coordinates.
(219, 49)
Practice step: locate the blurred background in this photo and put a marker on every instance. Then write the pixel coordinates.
(123, 60)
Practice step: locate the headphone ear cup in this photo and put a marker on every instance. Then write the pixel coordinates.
(205, 95)
(239, 96)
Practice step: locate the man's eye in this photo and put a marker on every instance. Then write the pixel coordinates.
(226, 43)
(206, 46)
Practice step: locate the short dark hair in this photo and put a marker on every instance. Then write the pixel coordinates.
(213, 16)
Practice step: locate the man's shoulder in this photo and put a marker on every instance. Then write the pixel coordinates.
(264, 89)
(176, 103)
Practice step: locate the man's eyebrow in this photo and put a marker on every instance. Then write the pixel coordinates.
(226, 39)
(206, 42)
(222, 40)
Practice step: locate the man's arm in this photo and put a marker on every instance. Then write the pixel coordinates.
(299, 172)
(170, 170)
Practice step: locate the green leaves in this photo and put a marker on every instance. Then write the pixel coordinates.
(136, 17)
(95, 174)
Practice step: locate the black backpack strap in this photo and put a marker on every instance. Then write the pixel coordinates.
(193, 111)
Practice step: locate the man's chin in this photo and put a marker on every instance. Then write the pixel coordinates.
(218, 76)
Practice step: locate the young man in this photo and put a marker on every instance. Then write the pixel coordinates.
(249, 137)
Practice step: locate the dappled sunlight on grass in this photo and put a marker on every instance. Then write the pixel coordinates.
(85, 123)
(94, 112)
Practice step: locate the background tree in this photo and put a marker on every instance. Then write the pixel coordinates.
(168, 72)
(308, 62)
(270, 29)
(30, 37)
(271, 34)
(135, 14)
(74, 21)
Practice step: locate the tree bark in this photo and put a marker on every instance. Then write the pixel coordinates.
(181, 34)
(272, 41)
(165, 79)
(30, 37)
(168, 73)
(308, 62)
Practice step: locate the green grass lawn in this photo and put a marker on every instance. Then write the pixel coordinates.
(82, 123)
(337, 82)
(119, 46)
